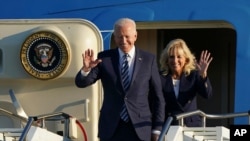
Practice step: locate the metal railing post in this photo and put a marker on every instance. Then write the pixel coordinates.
(204, 121)
(165, 128)
(26, 129)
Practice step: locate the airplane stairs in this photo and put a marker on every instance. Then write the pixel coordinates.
(34, 128)
(183, 133)
(10, 134)
(176, 133)
(17, 126)
(179, 133)
(32, 132)
(35, 134)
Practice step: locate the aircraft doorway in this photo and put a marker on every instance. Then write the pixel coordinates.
(217, 37)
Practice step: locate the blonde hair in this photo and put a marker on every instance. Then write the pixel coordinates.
(176, 45)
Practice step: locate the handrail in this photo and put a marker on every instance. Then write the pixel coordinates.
(43, 118)
(26, 129)
(181, 117)
(13, 115)
(165, 128)
(39, 121)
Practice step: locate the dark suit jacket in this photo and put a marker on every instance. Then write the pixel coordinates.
(190, 86)
(145, 76)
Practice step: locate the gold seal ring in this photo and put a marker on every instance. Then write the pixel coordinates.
(44, 55)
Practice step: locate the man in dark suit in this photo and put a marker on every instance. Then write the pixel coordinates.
(125, 114)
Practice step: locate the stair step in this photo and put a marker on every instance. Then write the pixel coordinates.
(14, 130)
(204, 133)
(199, 129)
(10, 134)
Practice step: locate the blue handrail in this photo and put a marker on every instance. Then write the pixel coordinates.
(165, 128)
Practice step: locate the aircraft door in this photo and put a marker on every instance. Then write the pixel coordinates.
(39, 59)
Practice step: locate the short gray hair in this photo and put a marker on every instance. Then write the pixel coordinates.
(123, 21)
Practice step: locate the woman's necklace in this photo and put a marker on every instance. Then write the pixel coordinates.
(176, 82)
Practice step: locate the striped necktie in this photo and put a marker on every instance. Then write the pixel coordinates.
(126, 82)
(125, 72)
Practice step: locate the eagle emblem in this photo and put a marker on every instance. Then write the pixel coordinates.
(44, 54)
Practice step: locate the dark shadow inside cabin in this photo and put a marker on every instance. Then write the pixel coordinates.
(218, 38)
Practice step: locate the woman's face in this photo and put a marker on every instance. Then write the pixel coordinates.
(176, 61)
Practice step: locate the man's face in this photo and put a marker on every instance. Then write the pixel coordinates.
(125, 37)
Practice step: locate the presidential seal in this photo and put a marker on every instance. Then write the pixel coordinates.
(44, 55)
